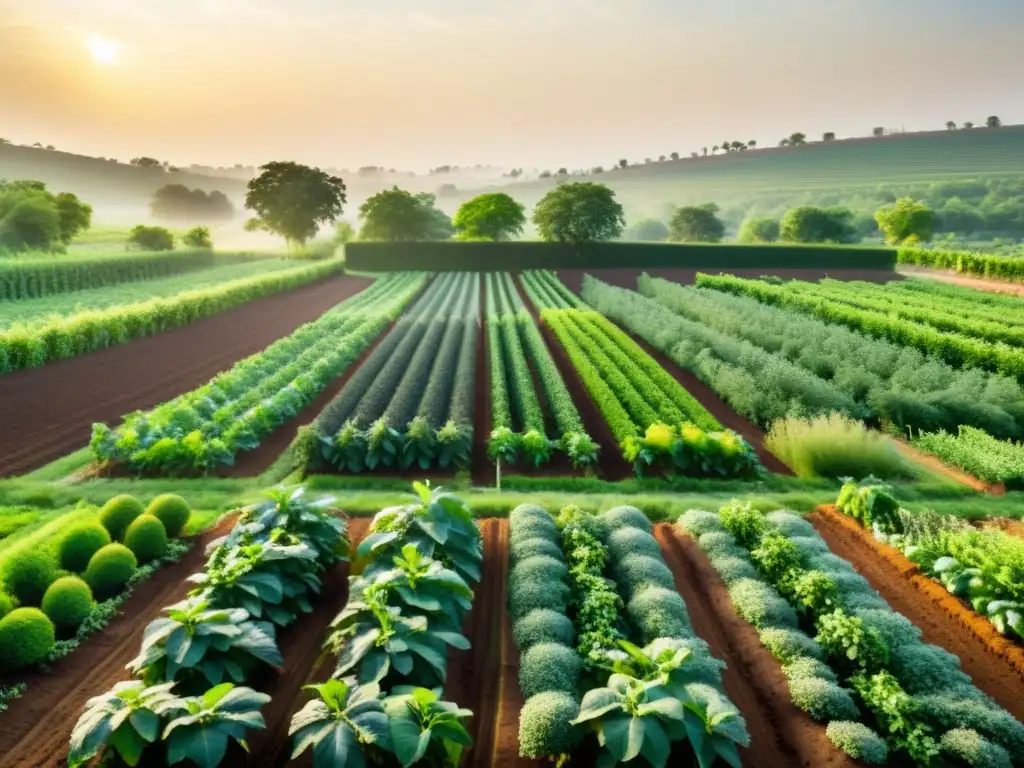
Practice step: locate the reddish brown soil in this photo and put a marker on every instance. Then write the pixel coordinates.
(995, 664)
(949, 276)
(781, 735)
(626, 278)
(933, 463)
(57, 403)
(1006, 525)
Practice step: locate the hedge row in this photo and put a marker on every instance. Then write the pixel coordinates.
(497, 257)
(964, 262)
(33, 279)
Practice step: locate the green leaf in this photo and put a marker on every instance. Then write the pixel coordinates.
(339, 749)
(146, 723)
(204, 746)
(613, 732)
(635, 737)
(128, 743)
(406, 738)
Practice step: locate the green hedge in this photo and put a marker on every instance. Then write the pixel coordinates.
(965, 262)
(36, 278)
(494, 257)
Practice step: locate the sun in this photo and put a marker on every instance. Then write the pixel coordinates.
(103, 51)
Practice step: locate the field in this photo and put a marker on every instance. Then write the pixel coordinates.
(607, 564)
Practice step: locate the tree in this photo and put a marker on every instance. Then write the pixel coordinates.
(762, 230)
(878, 130)
(696, 224)
(675, 155)
(783, 142)
(28, 211)
(343, 233)
(661, 158)
(993, 122)
(545, 175)
(647, 231)
(797, 139)
(812, 224)
(75, 216)
(151, 238)
(714, 149)
(399, 215)
(198, 237)
(950, 125)
(828, 136)
(147, 162)
(968, 125)
(752, 144)
(178, 202)
(623, 163)
(579, 212)
(293, 200)
(906, 221)
(491, 216)
(562, 172)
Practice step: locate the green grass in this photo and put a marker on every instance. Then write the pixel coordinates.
(107, 235)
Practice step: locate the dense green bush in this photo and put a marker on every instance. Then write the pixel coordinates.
(80, 543)
(26, 637)
(761, 605)
(822, 699)
(28, 574)
(532, 528)
(529, 595)
(721, 544)
(790, 525)
(146, 538)
(626, 517)
(539, 567)
(858, 741)
(118, 513)
(542, 626)
(109, 570)
(529, 514)
(787, 645)
(548, 667)
(658, 612)
(697, 522)
(733, 568)
(632, 541)
(973, 749)
(524, 548)
(6, 604)
(171, 510)
(545, 725)
(636, 572)
(68, 603)
(805, 666)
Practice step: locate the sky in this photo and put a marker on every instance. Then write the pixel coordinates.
(413, 84)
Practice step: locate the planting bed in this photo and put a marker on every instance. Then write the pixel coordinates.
(58, 403)
(626, 278)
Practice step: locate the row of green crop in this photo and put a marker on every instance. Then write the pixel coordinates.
(33, 279)
(186, 701)
(964, 262)
(411, 402)
(404, 614)
(87, 331)
(850, 660)
(236, 410)
(977, 453)
(768, 362)
(606, 645)
(954, 348)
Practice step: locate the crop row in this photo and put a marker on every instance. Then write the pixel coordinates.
(207, 427)
(187, 701)
(849, 659)
(65, 337)
(607, 647)
(977, 453)
(404, 613)
(411, 402)
(956, 349)
(964, 262)
(765, 361)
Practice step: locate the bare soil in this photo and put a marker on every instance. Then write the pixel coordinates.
(781, 735)
(995, 664)
(57, 403)
(626, 278)
(954, 278)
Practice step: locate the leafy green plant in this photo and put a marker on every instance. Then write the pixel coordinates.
(870, 503)
(744, 522)
(425, 728)
(342, 721)
(846, 637)
(897, 714)
(202, 732)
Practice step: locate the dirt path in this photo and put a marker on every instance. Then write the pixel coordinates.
(781, 735)
(57, 403)
(481, 470)
(933, 463)
(995, 664)
(626, 278)
(967, 281)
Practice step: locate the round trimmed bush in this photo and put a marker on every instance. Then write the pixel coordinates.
(635, 573)
(532, 528)
(171, 510)
(548, 667)
(68, 603)
(80, 543)
(28, 574)
(633, 541)
(805, 666)
(147, 538)
(109, 570)
(721, 544)
(524, 548)
(6, 604)
(530, 514)
(761, 605)
(697, 522)
(787, 645)
(543, 626)
(659, 612)
(118, 513)
(26, 637)
(544, 725)
(858, 741)
(627, 517)
(530, 594)
(732, 568)
(809, 546)
(822, 699)
(974, 749)
(539, 567)
(789, 525)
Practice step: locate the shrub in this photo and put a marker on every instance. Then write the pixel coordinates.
(808, 546)
(701, 667)
(835, 446)
(81, 542)
(171, 510)
(971, 747)
(525, 513)
(632, 541)
(745, 523)
(721, 544)
(109, 570)
(532, 528)
(26, 637)
(858, 741)
(118, 513)
(544, 725)
(848, 638)
(529, 595)
(524, 548)
(732, 568)
(28, 574)
(68, 602)
(543, 626)
(697, 522)
(950, 711)
(150, 238)
(146, 538)
(548, 667)
(822, 699)
(539, 567)
(789, 525)
(787, 645)
(627, 517)
(805, 666)
(658, 612)
(6, 604)
(634, 573)
(895, 628)
(926, 668)
(761, 605)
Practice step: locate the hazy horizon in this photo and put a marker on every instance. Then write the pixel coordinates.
(412, 85)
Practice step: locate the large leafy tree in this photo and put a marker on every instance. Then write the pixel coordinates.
(906, 221)
(696, 224)
(813, 224)
(293, 200)
(399, 215)
(491, 216)
(579, 212)
(762, 230)
(32, 217)
(647, 230)
(176, 201)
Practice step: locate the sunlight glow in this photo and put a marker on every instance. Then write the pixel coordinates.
(103, 51)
